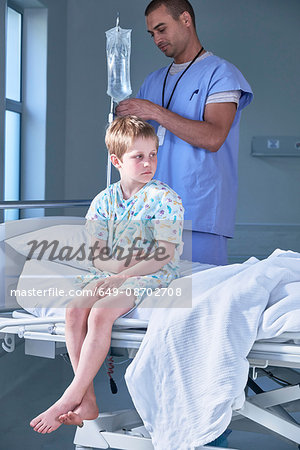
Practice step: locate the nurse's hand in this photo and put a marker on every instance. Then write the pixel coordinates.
(144, 109)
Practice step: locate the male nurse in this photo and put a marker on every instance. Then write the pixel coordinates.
(195, 106)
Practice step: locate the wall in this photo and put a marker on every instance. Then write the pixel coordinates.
(56, 98)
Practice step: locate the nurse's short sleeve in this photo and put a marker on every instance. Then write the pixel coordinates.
(226, 77)
(168, 221)
(96, 218)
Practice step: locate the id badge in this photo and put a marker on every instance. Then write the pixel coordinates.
(161, 131)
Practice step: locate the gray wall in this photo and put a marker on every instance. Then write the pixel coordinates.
(260, 37)
(56, 100)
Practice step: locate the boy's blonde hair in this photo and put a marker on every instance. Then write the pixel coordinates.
(122, 132)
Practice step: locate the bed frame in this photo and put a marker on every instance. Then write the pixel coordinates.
(124, 429)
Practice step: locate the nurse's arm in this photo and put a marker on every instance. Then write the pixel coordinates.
(209, 133)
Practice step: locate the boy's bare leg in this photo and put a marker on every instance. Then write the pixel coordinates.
(93, 352)
(76, 317)
(77, 313)
(75, 332)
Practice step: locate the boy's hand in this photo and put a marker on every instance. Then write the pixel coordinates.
(110, 283)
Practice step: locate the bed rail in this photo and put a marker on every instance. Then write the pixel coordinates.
(43, 204)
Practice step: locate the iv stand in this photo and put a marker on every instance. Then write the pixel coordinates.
(110, 120)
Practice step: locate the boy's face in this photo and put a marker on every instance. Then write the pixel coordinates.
(138, 164)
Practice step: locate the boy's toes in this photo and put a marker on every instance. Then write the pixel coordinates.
(71, 418)
(63, 418)
(39, 426)
(42, 428)
(35, 421)
(74, 418)
(47, 428)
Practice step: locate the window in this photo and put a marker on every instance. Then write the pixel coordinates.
(23, 93)
(13, 113)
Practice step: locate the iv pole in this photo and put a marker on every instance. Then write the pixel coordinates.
(110, 120)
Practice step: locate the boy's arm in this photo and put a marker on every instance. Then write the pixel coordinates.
(151, 263)
(103, 261)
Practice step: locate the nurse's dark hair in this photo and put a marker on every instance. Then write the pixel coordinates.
(123, 130)
(175, 8)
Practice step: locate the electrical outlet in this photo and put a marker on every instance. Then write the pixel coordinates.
(275, 146)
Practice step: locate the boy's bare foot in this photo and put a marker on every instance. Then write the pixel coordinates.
(87, 410)
(71, 418)
(47, 421)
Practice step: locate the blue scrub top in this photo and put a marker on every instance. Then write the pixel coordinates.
(206, 181)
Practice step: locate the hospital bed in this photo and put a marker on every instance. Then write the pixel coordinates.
(44, 337)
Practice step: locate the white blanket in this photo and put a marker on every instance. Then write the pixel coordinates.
(191, 367)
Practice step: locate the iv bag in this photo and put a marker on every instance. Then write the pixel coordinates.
(118, 48)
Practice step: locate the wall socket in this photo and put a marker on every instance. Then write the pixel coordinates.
(275, 146)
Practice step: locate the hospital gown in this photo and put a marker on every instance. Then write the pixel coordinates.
(154, 213)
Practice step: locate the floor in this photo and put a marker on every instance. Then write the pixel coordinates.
(37, 392)
(258, 441)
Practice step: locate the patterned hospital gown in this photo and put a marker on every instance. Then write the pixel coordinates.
(154, 213)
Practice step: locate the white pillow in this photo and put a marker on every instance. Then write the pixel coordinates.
(64, 244)
(45, 288)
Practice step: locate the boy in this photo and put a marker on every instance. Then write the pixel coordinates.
(136, 210)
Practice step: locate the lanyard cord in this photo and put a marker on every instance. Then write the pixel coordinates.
(165, 80)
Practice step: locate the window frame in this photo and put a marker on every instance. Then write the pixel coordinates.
(14, 106)
(32, 107)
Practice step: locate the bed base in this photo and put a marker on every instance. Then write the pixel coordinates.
(124, 429)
